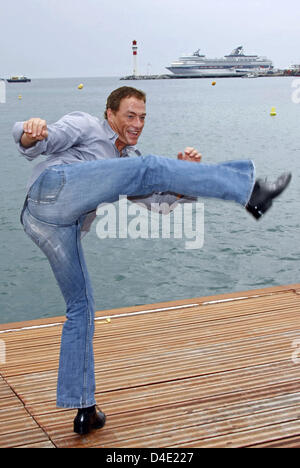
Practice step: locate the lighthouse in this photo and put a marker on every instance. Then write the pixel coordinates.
(134, 53)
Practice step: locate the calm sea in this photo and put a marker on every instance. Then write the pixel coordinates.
(228, 121)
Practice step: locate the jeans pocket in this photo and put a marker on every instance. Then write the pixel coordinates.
(47, 187)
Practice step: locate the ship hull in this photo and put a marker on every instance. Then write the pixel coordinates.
(25, 80)
(204, 73)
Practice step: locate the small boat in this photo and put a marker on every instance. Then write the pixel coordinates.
(251, 75)
(18, 79)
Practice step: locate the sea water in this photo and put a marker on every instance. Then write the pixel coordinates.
(228, 121)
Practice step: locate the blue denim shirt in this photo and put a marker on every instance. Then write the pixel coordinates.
(79, 137)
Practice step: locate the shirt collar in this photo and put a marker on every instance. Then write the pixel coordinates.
(112, 135)
(109, 131)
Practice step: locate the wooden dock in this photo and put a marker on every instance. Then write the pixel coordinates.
(220, 371)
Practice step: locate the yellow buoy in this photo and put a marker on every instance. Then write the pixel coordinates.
(80, 86)
(273, 111)
(213, 83)
(20, 96)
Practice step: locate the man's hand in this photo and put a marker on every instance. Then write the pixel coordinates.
(190, 154)
(35, 129)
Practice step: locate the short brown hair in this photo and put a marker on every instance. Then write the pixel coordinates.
(115, 98)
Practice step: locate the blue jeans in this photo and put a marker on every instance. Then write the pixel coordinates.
(53, 215)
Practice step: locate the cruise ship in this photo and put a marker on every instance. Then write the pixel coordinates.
(234, 64)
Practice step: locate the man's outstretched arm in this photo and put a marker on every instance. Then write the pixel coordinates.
(35, 136)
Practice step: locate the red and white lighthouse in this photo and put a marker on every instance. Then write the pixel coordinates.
(134, 53)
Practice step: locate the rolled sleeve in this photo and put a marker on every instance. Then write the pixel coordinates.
(62, 135)
(17, 131)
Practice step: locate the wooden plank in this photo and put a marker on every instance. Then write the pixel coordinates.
(18, 439)
(288, 442)
(193, 334)
(210, 408)
(23, 423)
(41, 380)
(190, 429)
(263, 291)
(188, 389)
(248, 438)
(138, 325)
(17, 426)
(41, 445)
(218, 374)
(10, 402)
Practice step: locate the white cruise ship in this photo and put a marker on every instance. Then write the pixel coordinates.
(234, 64)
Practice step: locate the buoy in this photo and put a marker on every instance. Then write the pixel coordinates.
(80, 86)
(20, 96)
(273, 111)
(108, 320)
(213, 83)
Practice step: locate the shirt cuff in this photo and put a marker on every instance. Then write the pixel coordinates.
(18, 131)
(34, 151)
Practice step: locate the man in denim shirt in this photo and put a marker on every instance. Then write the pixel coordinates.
(86, 165)
(79, 137)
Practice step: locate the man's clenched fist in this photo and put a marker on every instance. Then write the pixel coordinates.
(35, 129)
(190, 154)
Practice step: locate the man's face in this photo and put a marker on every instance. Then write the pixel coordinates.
(128, 122)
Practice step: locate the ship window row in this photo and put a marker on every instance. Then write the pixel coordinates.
(205, 67)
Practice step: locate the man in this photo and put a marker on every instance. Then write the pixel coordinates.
(87, 165)
(116, 137)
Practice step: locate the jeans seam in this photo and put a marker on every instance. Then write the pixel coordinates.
(45, 222)
(149, 178)
(84, 389)
(253, 171)
(74, 405)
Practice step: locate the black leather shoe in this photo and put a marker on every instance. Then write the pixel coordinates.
(88, 419)
(264, 193)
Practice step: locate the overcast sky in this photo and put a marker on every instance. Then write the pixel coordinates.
(73, 38)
